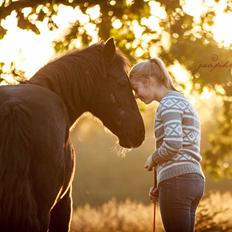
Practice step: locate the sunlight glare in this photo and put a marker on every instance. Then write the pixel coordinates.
(117, 24)
(152, 22)
(221, 31)
(165, 40)
(137, 29)
(222, 34)
(139, 52)
(30, 53)
(94, 12)
(68, 13)
(154, 51)
(157, 10)
(181, 76)
(194, 8)
(206, 94)
(91, 29)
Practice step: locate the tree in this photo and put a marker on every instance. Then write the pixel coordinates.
(190, 42)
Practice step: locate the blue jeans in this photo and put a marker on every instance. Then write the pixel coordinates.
(178, 199)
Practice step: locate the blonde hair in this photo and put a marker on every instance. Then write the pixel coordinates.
(153, 67)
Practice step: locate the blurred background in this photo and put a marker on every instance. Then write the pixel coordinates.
(193, 39)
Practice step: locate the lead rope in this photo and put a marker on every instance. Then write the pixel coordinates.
(154, 202)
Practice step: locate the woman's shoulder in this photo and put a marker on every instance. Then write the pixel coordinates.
(178, 101)
(174, 100)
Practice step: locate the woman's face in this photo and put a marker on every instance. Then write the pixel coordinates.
(144, 88)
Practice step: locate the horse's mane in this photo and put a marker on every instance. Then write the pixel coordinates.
(76, 70)
(81, 61)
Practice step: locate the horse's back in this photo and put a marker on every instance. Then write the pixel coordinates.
(44, 111)
(42, 106)
(38, 99)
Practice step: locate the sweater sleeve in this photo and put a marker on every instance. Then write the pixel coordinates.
(171, 118)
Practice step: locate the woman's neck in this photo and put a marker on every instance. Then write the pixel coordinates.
(161, 93)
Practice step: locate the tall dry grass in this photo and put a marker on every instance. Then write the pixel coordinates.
(214, 215)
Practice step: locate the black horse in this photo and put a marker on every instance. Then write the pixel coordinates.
(36, 156)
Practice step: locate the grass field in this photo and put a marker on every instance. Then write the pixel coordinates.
(214, 215)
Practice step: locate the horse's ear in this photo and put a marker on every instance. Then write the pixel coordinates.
(109, 49)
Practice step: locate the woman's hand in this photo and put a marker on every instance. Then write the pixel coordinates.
(149, 164)
(154, 194)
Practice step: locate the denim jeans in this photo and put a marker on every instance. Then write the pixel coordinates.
(178, 199)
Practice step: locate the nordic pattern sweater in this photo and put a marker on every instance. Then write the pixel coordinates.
(177, 132)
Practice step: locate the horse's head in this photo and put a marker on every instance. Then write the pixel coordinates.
(114, 103)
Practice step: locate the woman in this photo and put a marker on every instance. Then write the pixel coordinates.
(177, 157)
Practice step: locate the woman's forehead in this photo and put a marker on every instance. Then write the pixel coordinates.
(139, 74)
(137, 82)
(139, 79)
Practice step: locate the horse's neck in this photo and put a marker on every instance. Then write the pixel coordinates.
(65, 88)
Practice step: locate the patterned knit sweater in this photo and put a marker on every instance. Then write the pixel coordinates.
(177, 132)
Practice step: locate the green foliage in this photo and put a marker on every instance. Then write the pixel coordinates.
(220, 145)
(191, 43)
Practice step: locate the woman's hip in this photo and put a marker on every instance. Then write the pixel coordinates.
(183, 187)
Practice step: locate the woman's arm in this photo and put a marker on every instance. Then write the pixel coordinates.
(171, 118)
(171, 115)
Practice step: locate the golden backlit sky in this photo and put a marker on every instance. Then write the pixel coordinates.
(31, 51)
